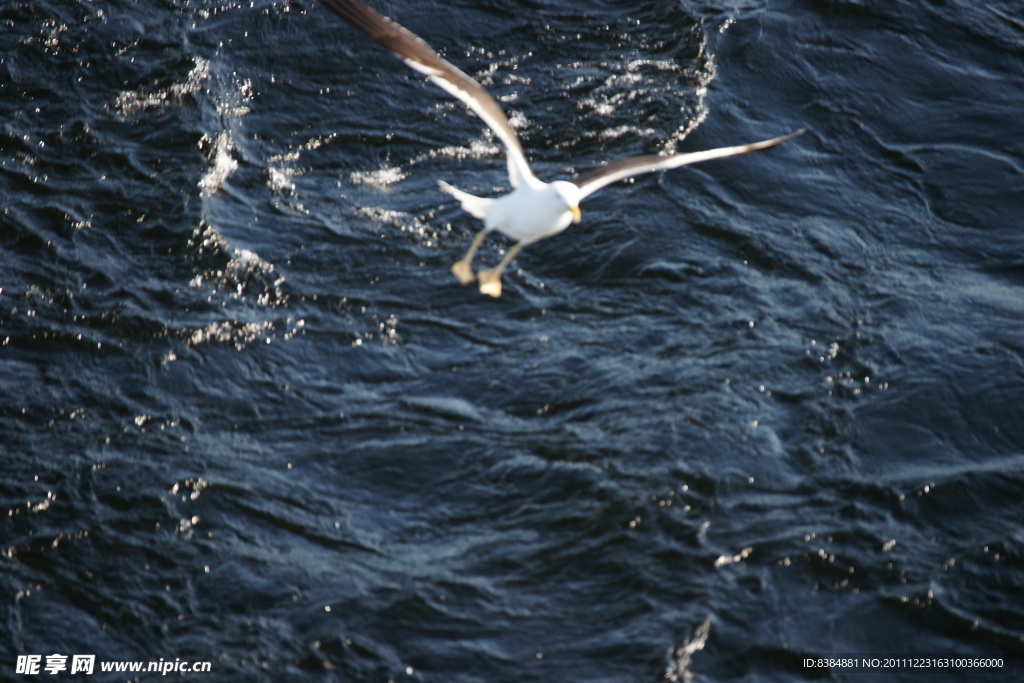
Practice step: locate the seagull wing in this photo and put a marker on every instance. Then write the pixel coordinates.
(420, 56)
(593, 181)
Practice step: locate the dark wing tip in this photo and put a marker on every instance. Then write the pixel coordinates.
(385, 32)
(795, 134)
(774, 142)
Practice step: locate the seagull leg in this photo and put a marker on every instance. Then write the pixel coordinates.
(461, 268)
(490, 280)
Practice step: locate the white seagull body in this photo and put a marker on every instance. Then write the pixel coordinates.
(534, 209)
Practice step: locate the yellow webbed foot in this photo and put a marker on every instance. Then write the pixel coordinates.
(462, 270)
(490, 282)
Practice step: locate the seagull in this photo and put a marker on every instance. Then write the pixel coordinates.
(533, 209)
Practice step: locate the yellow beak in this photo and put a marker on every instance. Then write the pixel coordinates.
(575, 211)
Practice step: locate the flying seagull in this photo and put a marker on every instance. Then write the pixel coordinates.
(534, 209)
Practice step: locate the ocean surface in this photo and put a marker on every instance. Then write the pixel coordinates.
(746, 414)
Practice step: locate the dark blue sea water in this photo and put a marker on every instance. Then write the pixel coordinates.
(745, 413)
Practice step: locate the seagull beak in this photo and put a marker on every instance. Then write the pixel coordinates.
(575, 211)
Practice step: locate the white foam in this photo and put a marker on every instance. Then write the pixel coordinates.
(222, 162)
(381, 178)
(280, 180)
(129, 103)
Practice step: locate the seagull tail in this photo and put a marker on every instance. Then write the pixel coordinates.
(471, 204)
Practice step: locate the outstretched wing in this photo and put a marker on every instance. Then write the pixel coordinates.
(593, 181)
(420, 56)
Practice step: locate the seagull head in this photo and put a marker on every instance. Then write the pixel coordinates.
(571, 195)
